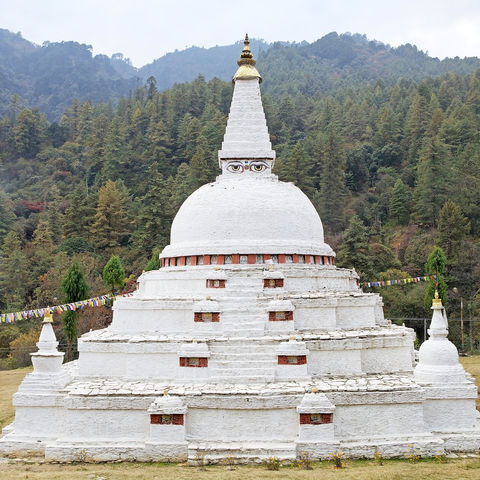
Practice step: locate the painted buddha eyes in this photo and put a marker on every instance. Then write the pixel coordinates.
(241, 167)
(258, 167)
(235, 168)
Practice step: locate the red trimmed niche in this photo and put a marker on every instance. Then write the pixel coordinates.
(272, 282)
(193, 362)
(280, 316)
(315, 418)
(215, 283)
(206, 317)
(166, 419)
(292, 359)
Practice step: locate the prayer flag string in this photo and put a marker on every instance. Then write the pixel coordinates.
(99, 301)
(399, 281)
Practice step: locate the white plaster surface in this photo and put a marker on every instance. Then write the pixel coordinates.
(244, 404)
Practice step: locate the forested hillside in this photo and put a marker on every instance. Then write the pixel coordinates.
(51, 76)
(393, 168)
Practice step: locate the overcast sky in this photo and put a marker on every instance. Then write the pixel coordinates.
(144, 30)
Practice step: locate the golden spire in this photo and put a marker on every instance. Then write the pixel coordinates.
(246, 64)
(246, 58)
(437, 301)
(47, 316)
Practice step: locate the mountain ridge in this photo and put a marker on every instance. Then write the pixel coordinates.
(49, 77)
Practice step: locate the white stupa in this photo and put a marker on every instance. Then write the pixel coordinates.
(248, 342)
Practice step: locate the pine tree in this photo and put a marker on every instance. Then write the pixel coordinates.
(200, 169)
(79, 214)
(436, 264)
(159, 146)
(452, 229)
(330, 198)
(355, 249)
(113, 273)
(42, 247)
(155, 216)
(432, 183)
(75, 288)
(117, 152)
(296, 169)
(416, 124)
(112, 225)
(182, 186)
(400, 203)
(15, 278)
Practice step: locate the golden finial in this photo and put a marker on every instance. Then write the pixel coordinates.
(165, 392)
(437, 301)
(47, 316)
(246, 64)
(314, 389)
(246, 58)
(292, 338)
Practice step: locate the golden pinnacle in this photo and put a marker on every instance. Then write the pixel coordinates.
(437, 301)
(47, 316)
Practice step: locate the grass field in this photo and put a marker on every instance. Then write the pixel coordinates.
(465, 468)
(9, 382)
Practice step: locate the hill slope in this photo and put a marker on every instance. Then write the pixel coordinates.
(50, 76)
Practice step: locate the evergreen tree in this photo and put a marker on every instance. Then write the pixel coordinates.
(435, 265)
(75, 288)
(330, 199)
(452, 229)
(416, 124)
(151, 87)
(200, 169)
(159, 146)
(29, 131)
(114, 273)
(79, 214)
(154, 262)
(117, 152)
(355, 249)
(42, 247)
(112, 225)
(432, 183)
(182, 186)
(14, 273)
(296, 169)
(155, 216)
(400, 203)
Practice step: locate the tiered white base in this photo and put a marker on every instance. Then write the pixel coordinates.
(334, 375)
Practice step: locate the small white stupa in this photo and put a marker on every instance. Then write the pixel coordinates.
(448, 406)
(248, 342)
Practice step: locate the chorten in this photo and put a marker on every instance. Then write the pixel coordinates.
(248, 342)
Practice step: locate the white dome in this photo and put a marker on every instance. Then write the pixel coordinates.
(247, 216)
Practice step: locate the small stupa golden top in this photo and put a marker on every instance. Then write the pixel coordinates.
(246, 64)
(437, 301)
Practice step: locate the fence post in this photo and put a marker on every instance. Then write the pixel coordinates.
(470, 332)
